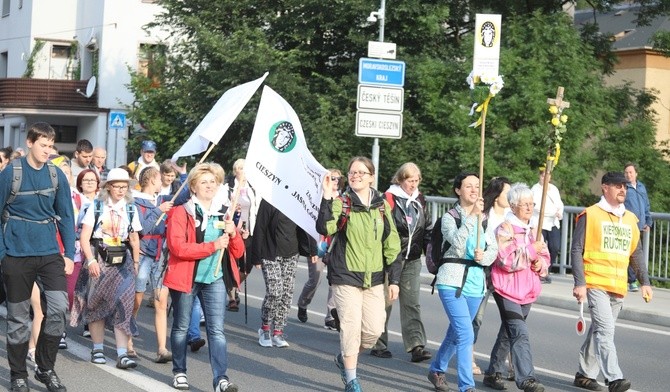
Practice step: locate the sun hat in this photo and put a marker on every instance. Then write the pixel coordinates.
(117, 175)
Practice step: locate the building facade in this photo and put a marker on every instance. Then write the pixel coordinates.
(67, 63)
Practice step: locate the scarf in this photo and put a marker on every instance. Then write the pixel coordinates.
(617, 211)
(397, 190)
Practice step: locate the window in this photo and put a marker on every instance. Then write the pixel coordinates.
(65, 133)
(60, 52)
(5, 7)
(151, 61)
(3, 64)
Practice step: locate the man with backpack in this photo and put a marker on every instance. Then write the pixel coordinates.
(34, 218)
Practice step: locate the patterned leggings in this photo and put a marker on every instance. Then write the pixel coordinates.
(279, 275)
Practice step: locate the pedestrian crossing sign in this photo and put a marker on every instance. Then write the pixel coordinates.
(117, 120)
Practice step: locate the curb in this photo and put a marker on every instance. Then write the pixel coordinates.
(568, 303)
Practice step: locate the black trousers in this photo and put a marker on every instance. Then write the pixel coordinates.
(19, 275)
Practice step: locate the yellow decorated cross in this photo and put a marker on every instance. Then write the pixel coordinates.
(558, 128)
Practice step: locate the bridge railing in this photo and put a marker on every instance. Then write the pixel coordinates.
(655, 243)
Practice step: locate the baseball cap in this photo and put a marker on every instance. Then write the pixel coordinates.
(149, 145)
(611, 178)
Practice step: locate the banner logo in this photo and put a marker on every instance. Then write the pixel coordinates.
(282, 136)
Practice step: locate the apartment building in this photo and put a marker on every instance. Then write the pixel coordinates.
(67, 63)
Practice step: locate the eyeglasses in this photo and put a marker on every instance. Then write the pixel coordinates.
(119, 187)
(89, 180)
(526, 205)
(335, 178)
(357, 173)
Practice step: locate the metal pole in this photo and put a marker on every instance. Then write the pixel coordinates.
(381, 16)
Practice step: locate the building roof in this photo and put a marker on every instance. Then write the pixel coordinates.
(620, 22)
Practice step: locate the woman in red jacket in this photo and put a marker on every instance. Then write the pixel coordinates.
(197, 232)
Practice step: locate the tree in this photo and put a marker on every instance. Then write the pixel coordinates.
(311, 50)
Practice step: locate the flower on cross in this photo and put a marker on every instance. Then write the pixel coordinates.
(558, 128)
(482, 88)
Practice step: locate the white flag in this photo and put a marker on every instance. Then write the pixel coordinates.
(219, 119)
(279, 165)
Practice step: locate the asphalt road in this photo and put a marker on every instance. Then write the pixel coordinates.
(307, 365)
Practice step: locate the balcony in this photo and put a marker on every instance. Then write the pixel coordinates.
(45, 94)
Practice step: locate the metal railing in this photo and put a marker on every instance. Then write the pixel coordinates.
(655, 243)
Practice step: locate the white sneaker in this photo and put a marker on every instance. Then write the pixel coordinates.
(226, 386)
(279, 341)
(264, 338)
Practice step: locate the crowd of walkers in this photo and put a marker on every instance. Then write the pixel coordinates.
(84, 243)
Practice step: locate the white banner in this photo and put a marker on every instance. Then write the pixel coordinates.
(219, 119)
(279, 165)
(488, 29)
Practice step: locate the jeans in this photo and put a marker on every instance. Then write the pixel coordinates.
(413, 332)
(212, 297)
(459, 338)
(513, 317)
(598, 348)
(149, 271)
(193, 332)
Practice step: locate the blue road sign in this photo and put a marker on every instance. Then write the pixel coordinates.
(381, 72)
(117, 120)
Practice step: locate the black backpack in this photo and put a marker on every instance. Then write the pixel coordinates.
(438, 246)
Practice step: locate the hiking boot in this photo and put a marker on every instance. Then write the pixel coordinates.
(619, 385)
(302, 314)
(353, 386)
(19, 385)
(330, 324)
(336, 319)
(50, 379)
(419, 354)
(495, 381)
(278, 339)
(439, 381)
(381, 353)
(339, 362)
(264, 338)
(532, 386)
(197, 344)
(226, 386)
(582, 381)
(633, 287)
(123, 362)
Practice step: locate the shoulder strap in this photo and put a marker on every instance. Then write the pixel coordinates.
(344, 215)
(97, 212)
(130, 209)
(53, 174)
(17, 177)
(390, 199)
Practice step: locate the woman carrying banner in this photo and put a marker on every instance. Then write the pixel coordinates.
(364, 248)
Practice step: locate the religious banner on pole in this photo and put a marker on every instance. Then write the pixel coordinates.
(484, 80)
(488, 29)
(280, 167)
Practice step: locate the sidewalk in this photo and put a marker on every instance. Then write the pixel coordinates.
(558, 294)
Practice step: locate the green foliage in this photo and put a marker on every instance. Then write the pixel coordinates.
(30, 64)
(311, 49)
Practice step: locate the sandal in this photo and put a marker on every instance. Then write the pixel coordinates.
(476, 370)
(180, 381)
(123, 362)
(164, 357)
(98, 357)
(131, 353)
(233, 306)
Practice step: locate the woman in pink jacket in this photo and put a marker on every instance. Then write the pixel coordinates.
(521, 261)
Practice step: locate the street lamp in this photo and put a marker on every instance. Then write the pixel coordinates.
(379, 15)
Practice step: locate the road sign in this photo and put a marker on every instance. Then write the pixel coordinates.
(380, 98)
(381, 72)
(382, 50)
(379, 124)
(117, 120)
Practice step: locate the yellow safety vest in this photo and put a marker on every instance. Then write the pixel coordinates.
(608, 244)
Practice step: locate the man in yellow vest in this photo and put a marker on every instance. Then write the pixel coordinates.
(605, 239)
